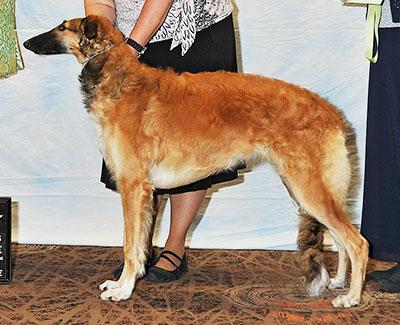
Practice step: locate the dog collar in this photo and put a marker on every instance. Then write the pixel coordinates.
(140, 48)
(98, 53)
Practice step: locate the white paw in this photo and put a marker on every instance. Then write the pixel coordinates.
(345, 301)
(109, 285)
(336, 283)
(116, 294)
(115, 291)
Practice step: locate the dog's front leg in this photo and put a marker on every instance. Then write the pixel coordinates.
(136, 199)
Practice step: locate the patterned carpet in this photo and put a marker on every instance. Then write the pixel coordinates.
(58, 285)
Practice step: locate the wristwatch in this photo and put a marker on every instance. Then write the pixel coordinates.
(140, 48)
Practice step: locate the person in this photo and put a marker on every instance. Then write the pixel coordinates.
(187, 36)
(380, 221)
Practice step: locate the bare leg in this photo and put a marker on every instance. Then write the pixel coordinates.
(184, 208)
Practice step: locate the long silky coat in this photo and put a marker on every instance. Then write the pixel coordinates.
(161, 129)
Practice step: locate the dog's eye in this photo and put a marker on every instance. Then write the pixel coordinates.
(62, 26)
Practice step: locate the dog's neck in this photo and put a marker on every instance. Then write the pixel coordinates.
(97, 54)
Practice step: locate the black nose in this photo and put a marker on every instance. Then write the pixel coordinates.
(33, 45)
(27, 44)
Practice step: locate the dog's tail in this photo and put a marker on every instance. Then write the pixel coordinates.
(310, 243)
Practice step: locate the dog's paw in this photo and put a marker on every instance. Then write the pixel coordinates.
(115, 291)
(336, 283)
(109, 285)
(116, 294)
(345, 301)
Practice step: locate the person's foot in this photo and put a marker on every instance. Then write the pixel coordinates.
(392, 284)
(385, 274)
(176, 258)
(169, 267)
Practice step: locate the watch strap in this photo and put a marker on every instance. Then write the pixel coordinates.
(140, 48)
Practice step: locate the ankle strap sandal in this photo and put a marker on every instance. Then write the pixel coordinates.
(159, 275)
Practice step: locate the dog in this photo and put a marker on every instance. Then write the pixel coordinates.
(160, 129)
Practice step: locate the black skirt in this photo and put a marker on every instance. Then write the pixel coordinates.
(380, 223)
(214, 49)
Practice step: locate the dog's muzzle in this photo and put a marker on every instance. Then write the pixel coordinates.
(46, 44)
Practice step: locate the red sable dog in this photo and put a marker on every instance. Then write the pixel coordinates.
(160, 129)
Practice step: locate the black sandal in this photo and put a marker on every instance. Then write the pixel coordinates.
(157, 274)
(150, 262)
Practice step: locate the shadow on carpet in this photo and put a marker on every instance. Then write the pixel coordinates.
(58, 285)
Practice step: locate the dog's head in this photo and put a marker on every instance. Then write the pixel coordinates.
(82, 37)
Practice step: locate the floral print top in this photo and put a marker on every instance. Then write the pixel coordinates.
(184, 19)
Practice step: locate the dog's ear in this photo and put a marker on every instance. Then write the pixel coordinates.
(90, 28)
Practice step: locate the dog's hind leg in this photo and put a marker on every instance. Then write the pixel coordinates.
(136, 196)
(357, 249)
(339, 281)
(326, 210)
(320, 187)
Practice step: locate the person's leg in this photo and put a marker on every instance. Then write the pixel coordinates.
(184, 208)
(380, 214)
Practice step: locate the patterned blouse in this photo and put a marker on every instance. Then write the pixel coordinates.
(184, 19)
